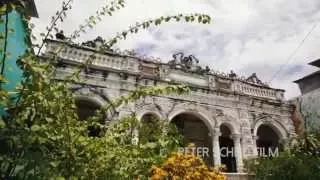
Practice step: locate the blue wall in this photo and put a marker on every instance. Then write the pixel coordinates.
(16, 47)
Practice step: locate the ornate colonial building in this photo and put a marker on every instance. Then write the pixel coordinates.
(224, 112)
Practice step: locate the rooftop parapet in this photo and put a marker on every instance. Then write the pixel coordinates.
(180, 70)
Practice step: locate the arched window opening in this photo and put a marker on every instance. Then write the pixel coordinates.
(149, 118)
(195, 131)
(85, 110)
(267, 142)
(227, 152)
(149, 128)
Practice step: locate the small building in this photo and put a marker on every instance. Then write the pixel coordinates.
(310, 82)
(14, 43)
(309, 101)
(15, 35)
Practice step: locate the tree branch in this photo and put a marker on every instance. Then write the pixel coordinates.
(201, 18)
(53, 24)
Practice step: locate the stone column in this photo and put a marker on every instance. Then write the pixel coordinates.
(135, 138)
(238, 152)
(254, 143)
(216, 147)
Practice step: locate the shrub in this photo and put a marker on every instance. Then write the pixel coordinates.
(187, 167)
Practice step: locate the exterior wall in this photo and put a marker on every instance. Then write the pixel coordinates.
(309, 84)
(308, 104)
(216, 99)
(310, 109)
(16, 47)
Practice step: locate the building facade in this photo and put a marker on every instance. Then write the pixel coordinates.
(309, 101)
(225, 113)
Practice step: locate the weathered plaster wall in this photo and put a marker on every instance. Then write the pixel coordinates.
(310, 109)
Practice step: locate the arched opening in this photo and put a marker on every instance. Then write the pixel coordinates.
(227, 149)
(268, 141)
(196, 132)
(149, 128)
(85, 110)
(149, 118)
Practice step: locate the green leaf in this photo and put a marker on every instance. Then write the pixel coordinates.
(60, 178)
(35, 128)
(49, 120)
(2, 124)
(3, 9)
(200, 19)
(54, 164)
(124, 34)
(157, 22)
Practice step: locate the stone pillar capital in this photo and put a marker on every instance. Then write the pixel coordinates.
(216, 133)
(216, 130)
(236, 137)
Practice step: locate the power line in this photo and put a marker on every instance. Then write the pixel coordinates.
(293, 53)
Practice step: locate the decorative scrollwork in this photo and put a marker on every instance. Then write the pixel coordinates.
(130, 52)
(255, 80)
(187, 63)
(96, 43)
(60, 36)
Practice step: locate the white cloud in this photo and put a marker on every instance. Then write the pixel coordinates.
(246, 35)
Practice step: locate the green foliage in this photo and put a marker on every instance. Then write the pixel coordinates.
(287, 166)
(43, 138)
(300, 161)
(46, 138)
(106, 10)
(59, 16)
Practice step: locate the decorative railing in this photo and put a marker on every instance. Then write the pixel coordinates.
(101, 60)
(259, 91)
(127, 62)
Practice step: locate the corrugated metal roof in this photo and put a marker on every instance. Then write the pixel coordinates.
(315, 63)
(308, 76)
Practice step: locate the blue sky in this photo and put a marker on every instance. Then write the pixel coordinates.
(246, 35)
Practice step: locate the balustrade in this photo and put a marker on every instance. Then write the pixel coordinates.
(131, 64)
(253, 90)
(102, 60)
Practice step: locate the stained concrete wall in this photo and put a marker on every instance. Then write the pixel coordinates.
(310, 109)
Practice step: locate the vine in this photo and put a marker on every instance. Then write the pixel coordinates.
(43, 137)
(201, 18)
(60, 15)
